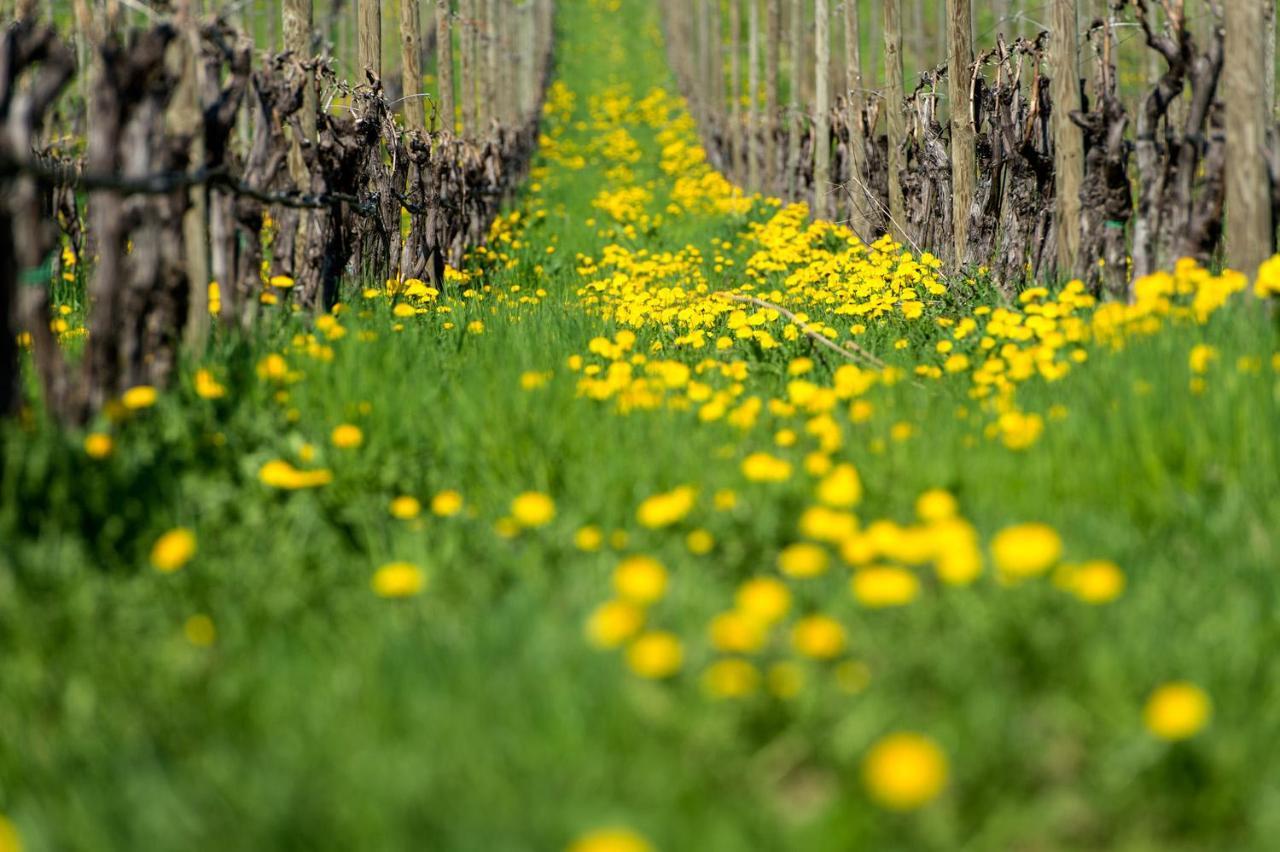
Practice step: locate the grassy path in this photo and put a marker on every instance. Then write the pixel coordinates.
(585, 543)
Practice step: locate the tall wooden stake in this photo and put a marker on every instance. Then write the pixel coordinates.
(735, 88)
(1250, 231)
(964, 156)
(753, 95)
(895, 119)
(773, 37)
(410, 64)
(794, 107)
(860, 202)
(370, 38)
(1067, 137)
(444, 63)
(822, 105)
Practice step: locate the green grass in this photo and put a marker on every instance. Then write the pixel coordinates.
(476, 716)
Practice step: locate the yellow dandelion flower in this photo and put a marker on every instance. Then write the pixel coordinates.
(655, 655)
(1177, 711)
(98, 445)
(173, 550)
(881, 587)
(936, 505)
(200, 631)
(737, 633)
(803, 560)
(208, 387)
(533, 509)
(818, 636)
(700, 542)
(762, 467)
(11, 842)
(588, 539)
(904, 771)
(613, 623)
(615, 839)
(446, 504)
(640, 579)
(280, 474)
(1026, 550)
(731, 679)
(663, 510)
(398, 580)
(405, 507)
(347, 436)
(138, 398)
(1095, 582)
(841, 488)
(764, 599)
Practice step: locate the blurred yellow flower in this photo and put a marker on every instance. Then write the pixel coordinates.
(904, 771)
(1095, 582)
(346, 436)
(731, 678)
(841, 488)
(803, 560)
(610, 840)
(699, 542)
(98, 445)
(200, 631)
(663, 510)
(1177, 711)
(640, 579)
(936, 505)
(533, 509)
(737, 633)
(588, 539)
(886, 586)
(613, 623)
(281, 474)
(818, 636)
(446, 504)
(398, 580)
(207, 387)
(655, 655)
(173, 550)
(138, 398)
(1026, 550)
(764, 599)
(11, 842)
(405, 507)
(762, 467)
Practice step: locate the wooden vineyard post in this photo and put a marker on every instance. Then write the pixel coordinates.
(859, 207)
(444, 63)
(773, 35)
(753, 95)
(895, 119)
(1269, 58)
(735, 89)
(822, 108)
(715, 66)
(794, 108)
(1249, 228)
(410, 64)
(698, 71)
(370, 38)
(491, 62)
(466, 71)
(964, 156)
(195, 230)
(1067, 137)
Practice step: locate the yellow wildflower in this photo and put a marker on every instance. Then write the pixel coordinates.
(173, 550)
